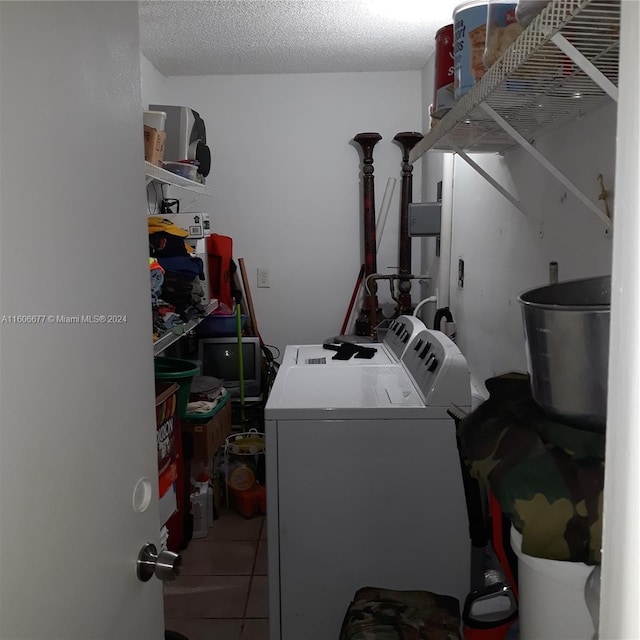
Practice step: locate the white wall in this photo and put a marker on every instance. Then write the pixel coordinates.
(287, 183)
(153, 83)
(503, 251)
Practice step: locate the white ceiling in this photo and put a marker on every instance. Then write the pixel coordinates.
(224, 37)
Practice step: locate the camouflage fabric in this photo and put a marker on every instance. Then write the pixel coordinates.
(547, 476)
(385, 614)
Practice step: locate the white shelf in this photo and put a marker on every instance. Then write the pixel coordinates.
(534, 86)
(157, 174)
(169, 338)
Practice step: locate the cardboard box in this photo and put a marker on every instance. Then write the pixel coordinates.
(209, 436)
(154, 145)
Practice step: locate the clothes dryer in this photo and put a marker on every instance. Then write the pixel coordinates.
(364, 484)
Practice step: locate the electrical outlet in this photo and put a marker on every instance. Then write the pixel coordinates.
(263, 278)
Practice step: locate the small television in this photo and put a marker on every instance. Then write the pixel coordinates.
(219, 358)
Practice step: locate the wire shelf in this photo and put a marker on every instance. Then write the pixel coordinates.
(534, 86)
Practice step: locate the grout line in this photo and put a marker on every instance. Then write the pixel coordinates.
(255, 558)
(256, 541)
(253, 568)
(246, 604)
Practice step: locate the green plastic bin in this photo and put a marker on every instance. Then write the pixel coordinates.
(181, 372)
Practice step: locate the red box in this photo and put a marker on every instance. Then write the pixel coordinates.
(170, 460)
(166, 404)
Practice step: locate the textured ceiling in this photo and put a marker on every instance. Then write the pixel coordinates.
(211, 37)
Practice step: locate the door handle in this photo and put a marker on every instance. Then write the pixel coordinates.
(164, 565)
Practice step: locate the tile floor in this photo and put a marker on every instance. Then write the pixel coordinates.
(221, 593)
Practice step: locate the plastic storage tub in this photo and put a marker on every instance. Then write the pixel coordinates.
(184, 169)
(154, 119)
(218, 325)
(181, 372)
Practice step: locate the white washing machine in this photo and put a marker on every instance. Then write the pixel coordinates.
(363, 484)
(395, 343)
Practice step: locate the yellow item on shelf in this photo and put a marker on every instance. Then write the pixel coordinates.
(157, 224)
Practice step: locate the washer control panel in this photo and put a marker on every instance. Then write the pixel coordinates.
(400, 333)
(438, 369)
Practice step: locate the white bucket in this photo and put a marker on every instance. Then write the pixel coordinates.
(551, 597)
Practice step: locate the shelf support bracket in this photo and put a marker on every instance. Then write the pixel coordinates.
(586, 65)
(552, 169)
(488, 177)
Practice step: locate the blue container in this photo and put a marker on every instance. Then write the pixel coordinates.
(219, 325)
(469, 35)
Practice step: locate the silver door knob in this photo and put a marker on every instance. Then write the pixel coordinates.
(164, 565)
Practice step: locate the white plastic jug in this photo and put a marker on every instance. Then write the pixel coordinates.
(199, 510)
(202, 484)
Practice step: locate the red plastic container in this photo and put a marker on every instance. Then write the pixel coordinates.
(443, 98)
(219, 256)
(498, 632)
(250, 502)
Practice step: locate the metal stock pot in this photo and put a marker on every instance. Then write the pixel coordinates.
(566, 328)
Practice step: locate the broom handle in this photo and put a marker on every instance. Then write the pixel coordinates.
(249, 300)
(352, 301)
(240, 360)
